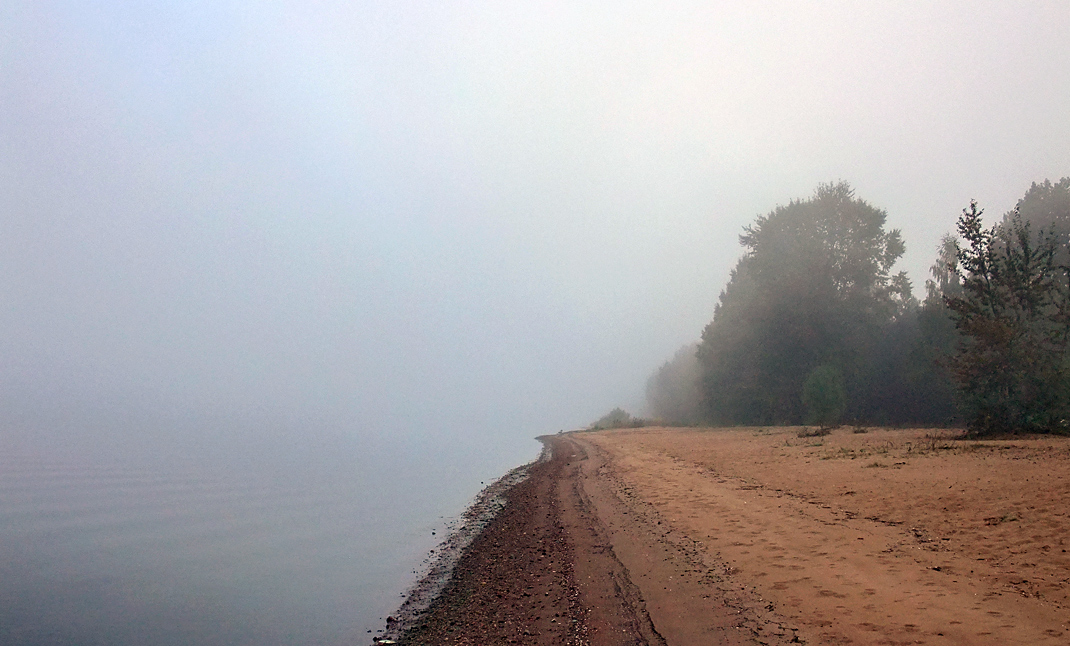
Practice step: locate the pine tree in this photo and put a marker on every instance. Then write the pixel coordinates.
(1013, 314)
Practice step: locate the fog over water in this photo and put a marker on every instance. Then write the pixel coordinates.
(333, 264)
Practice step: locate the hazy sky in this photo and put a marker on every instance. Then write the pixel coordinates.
(398, 218)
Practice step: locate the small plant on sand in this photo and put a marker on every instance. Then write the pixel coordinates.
(806, 431)
(1008, 517)
(840, 454)
(930, 444)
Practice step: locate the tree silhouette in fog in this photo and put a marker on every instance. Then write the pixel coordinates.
(673, 392)
(814, 287)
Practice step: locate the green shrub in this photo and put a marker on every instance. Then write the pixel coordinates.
(824, 396)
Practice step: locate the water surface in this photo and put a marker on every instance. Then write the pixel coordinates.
(292, 547)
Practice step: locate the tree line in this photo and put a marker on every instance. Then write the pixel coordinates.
(814, 327)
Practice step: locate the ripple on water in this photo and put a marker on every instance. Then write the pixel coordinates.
(125, 556)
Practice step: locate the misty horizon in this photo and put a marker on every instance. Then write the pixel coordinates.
(388, 244)
(415, 221)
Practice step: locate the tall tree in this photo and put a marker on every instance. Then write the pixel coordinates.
(814, 287)
(1014, 314)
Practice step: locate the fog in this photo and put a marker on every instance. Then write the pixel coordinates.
(307, 273)
(403, 224)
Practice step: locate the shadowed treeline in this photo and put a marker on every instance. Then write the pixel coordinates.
(814, 326)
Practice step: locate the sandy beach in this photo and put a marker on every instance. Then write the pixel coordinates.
(762, 536)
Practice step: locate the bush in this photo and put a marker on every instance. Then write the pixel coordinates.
(824, 396)
(618, 418)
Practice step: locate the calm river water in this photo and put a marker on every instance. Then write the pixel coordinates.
(311, 547)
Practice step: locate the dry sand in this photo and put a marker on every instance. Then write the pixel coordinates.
(883, 537)
(759, 536)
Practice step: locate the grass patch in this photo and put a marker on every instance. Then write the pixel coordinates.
(930, 444)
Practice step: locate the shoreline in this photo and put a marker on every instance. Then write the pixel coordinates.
(738, 536)
(435, 606)
(544, 571)
(488, 503)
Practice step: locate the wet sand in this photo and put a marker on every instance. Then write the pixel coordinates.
(759, 536)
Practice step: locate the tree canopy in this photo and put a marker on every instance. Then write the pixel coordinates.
(1045, 207)
(813, 287)
(814, 326)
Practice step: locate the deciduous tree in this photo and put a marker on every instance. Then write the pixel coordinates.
(814, 287)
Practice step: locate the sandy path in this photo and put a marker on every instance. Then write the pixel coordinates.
(568, 561)
(690, 595)
(887, 537)
(541, 572)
